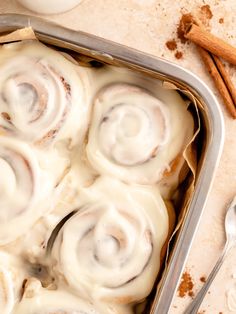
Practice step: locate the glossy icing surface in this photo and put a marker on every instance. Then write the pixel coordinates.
(83, 154)
(110, 249)
(134, 135)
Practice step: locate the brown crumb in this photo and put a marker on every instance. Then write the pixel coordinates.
(191, 294)
(203, 279)
(221, 20)
(6, 116)
(220, 312)
(184, 24)
(205, 15)
(171, 44)
(206, 11)
(178, 55)
(186, 285)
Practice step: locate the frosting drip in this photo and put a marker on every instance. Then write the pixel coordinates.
(37, 300)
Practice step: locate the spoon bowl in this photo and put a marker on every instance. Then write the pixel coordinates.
(230, 222)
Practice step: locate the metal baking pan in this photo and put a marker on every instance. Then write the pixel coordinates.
(113, 53)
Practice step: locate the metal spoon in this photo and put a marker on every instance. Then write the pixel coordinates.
(56, 230)
(230, 230)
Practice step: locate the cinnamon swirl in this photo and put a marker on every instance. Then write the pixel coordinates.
(43, 95)
(110, 249)
(21, 177)
(137, 137)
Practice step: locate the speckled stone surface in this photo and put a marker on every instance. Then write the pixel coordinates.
(147, 25)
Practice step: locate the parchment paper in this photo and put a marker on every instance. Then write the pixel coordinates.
(189, 154)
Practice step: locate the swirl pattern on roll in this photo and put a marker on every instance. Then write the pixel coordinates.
(21, 177)
(135, 136)
(42, 95)
(110, 249)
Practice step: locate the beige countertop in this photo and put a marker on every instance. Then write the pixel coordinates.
(147, 25)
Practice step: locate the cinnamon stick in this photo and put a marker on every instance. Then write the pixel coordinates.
(218, 80)
(215, 45)
(229, 84)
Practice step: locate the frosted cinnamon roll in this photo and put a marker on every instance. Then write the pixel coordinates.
(110, 249)
(42, 94)
(20, 182)
(137, 137)
(37, 300)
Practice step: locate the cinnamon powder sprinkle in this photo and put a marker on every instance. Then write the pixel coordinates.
(203, 279)
(171, 44)
(186, 286)
(206, 10)
(178, 55)
(221, 20)
(185, 22)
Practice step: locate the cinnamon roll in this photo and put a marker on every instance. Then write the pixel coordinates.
(37, 300)
(137, 137)
(21, 177)
(110, 249)
(43, 95)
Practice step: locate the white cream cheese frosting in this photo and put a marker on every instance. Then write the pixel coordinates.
(24, 188)
(136, 137)
(104, 144)
(37, 300)
(110, 249)
(43, 96)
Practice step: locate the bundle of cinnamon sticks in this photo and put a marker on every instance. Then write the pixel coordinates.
(211, 49)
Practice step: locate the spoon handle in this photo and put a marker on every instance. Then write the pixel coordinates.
(194, 306)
